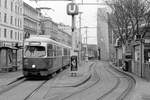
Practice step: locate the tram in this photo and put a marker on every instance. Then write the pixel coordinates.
(44, 56)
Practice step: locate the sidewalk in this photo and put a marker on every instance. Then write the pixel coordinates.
(83, 75)
(142, 88)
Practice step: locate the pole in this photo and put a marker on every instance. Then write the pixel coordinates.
(73, 35)
(141, 58)
(86, 56)
(80, 53)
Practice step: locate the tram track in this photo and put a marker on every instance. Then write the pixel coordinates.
(130, 87)
(118, 83)
(12, 84)
(112, 89)
(84, 89)
(35, 90)
(124, 94)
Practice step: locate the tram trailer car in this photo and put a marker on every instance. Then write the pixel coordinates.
(43, 56)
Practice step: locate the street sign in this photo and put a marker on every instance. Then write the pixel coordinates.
(72, 9)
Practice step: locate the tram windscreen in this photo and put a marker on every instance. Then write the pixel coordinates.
(34, 51)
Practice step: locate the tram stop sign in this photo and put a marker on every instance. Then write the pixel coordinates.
(72, 9)
(74, 66)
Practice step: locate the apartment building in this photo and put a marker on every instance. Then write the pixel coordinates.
(32, 18)
(11, 31)
(51, 29)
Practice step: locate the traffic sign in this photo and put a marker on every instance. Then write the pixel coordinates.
(72, 9)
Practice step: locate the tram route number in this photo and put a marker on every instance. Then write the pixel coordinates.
(74, 64)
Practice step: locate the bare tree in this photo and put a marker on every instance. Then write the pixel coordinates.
(130, 17)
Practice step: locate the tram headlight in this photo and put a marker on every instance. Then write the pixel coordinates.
(33, 66)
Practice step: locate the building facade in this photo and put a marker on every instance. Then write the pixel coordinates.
(32, 18)
(102, 33)
(65, 28)
(11, 31)
(51, 29)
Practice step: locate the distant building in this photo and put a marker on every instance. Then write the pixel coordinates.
(92, 51)
(49, 27)
(102, 33)
(65, 28)
(11, 31)
(32, 18)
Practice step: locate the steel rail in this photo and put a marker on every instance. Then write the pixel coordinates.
(77, 92)
(112, 89)
(130, 87)
(12, 85)
(35, 90)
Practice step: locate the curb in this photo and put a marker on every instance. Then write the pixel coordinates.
(126, 96)
(126, 73)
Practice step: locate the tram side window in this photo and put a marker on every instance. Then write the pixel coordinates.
(59, 51)
(65, 51)
(49, 50)
(68, 51)
(54, 50)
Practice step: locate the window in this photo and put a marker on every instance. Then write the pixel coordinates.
(5, 18)
(15, 21)
(65, 51)
(5, 33)
(18, 36)
(0, 17)
(11, 34)
(59, 51)
(54, 50)
(11, 6)
(0, 3)
(15, 35)
(16, 8)
(18, 22)
(49, 50)
(5, 3)
(20, 10)
(0, 32)
(11, 20)
(35, 51)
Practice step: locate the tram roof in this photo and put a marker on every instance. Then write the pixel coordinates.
(44, 39)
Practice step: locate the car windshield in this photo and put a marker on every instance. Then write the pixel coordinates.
(35, 51)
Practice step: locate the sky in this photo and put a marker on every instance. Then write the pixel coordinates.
(59, 15)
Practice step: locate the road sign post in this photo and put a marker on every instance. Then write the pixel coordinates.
(72, 9)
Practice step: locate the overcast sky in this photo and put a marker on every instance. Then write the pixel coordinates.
(89, 16)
